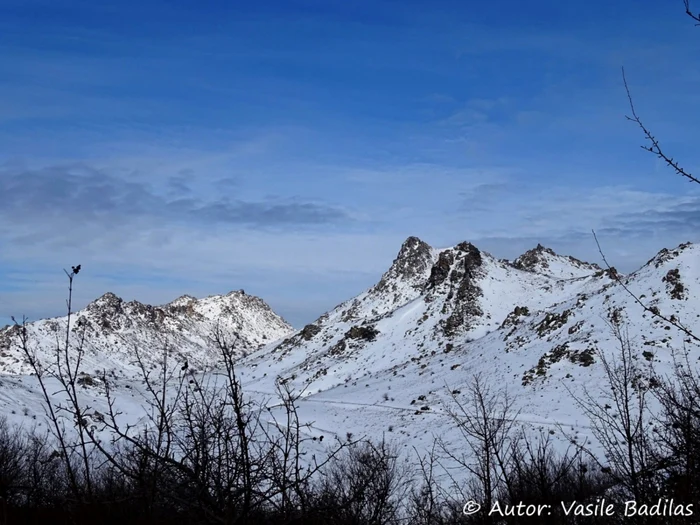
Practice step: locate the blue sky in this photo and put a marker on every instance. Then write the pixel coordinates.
(288, 148)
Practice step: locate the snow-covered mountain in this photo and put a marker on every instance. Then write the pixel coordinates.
(116, 329)
(428, 301)
(391, 357)
(387, 362)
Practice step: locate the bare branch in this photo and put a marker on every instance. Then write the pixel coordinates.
(655, 147)
(654, 311)
(688, 12)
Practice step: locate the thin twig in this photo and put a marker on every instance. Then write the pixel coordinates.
(690, 13)
(655, 147)
(654, 311)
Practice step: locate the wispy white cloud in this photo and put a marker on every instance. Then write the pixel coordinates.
(290, 152)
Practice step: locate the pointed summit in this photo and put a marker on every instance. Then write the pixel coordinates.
(183, 299)
(107, 297)
(542, 249)
(546, 261)
(410, 245)
(531, 259)
(107, 302)
(411, 266)
(401, 283)
(664, 255)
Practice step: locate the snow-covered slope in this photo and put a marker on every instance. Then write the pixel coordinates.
(115, 330)
(387, 362)
(429, 300)
(383, 361)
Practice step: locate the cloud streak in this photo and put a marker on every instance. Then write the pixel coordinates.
(83, 193)
(289, 149)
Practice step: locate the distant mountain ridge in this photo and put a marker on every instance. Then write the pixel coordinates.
(114, 328)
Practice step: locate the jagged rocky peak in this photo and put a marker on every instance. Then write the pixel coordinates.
(415, 256)
(401, 283)
(111, 312)
(441, 269)
(530, 260)
(665, 254)
(185, 324)
(463, 259)
(182, 300)
(453, 282)
(107, 304)
(185, 304)
(239, 298)
(472, 255)
(412, 245)
(107, 312)
(411, 264)
(546, 261)
(107, 299)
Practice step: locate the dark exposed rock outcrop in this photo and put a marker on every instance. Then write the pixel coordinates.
(411, 263)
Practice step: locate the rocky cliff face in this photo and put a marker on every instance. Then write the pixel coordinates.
(454, 281)
(410, 266)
